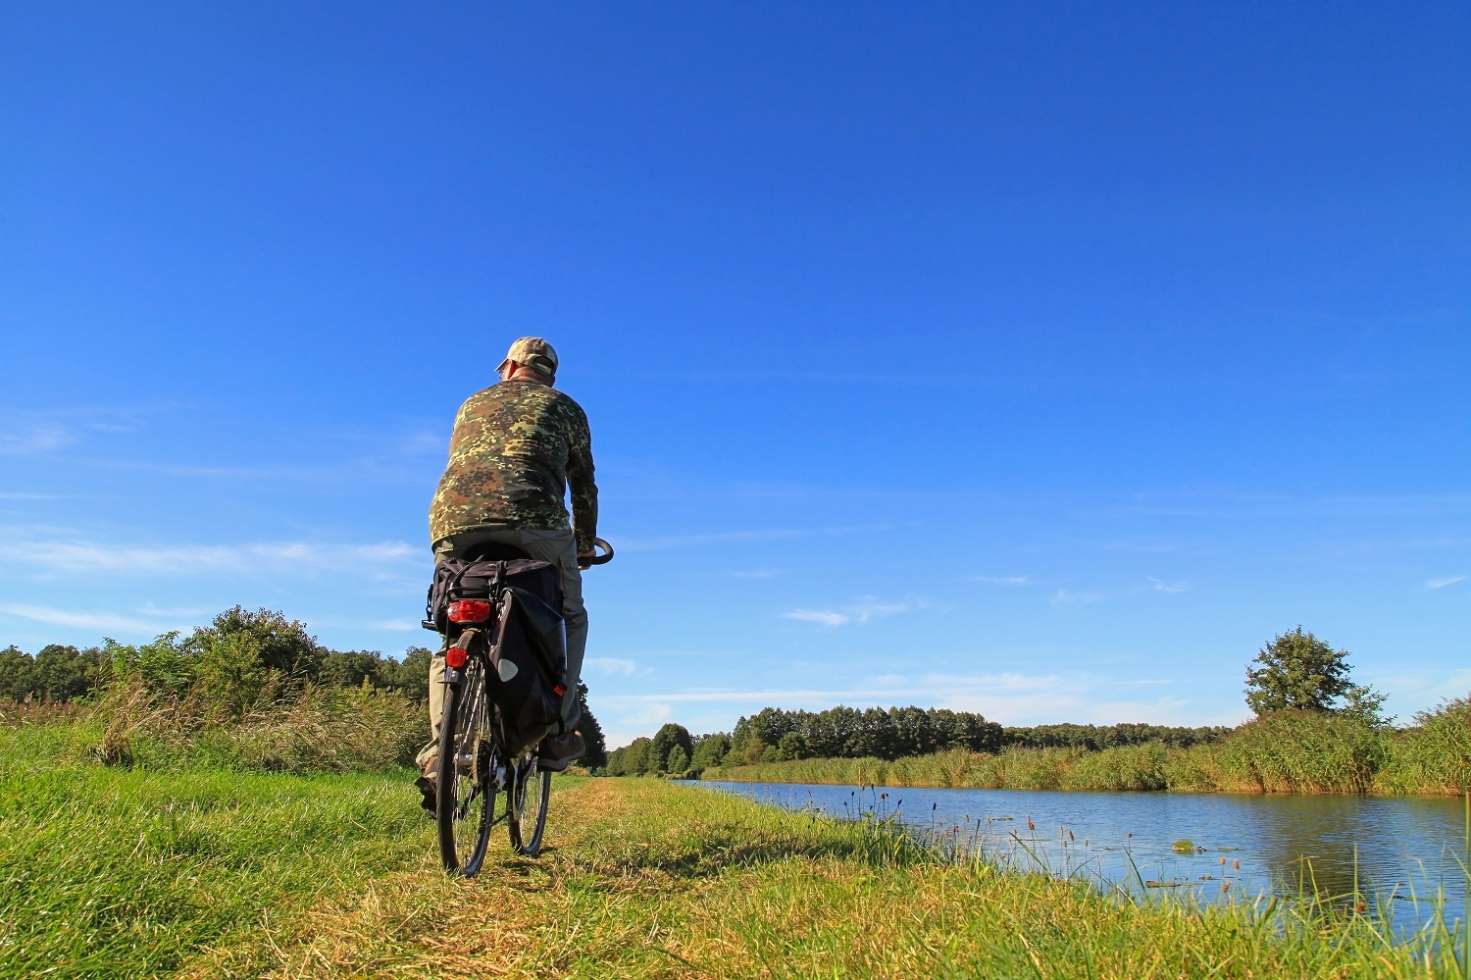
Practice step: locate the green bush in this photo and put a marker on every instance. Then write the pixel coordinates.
(252, 689)
(1134, 767)
(1432, 757)
(710, 750)
(232, 677)
(1033, 768)
(326, 730)
(237, 694)
(952, 768)
(1299, 751)
(319, 729)
(1192, 770)
(164, 667)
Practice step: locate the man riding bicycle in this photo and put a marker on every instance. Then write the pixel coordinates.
(516, 448)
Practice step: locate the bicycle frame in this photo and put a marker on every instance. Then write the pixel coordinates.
(473, 742)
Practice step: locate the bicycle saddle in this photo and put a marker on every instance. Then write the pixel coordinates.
(494, 551)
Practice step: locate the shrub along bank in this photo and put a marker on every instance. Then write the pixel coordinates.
(1282, 752)
(252, 691)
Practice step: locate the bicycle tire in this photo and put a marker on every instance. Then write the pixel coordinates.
(461, 703)
(531, 785)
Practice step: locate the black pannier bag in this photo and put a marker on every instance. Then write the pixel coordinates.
(528, 653)
(528, 661)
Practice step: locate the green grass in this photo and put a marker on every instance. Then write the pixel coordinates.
(652, 879)
(315, 729)
(131, 871)
(110, 871)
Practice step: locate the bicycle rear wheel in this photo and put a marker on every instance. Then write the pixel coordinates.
(466, 785)
(526, 816)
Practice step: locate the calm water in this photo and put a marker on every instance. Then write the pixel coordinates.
(1270, 844)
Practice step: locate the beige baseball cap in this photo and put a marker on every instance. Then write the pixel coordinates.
(534, 352)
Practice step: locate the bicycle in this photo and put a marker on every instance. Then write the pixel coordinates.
(475, 767)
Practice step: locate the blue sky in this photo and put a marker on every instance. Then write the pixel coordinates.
(1041, 360)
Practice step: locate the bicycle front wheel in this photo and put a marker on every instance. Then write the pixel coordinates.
(526, 817)
(466, 785)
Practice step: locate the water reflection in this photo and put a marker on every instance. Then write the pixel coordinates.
(1382, 849)
(1243, 846)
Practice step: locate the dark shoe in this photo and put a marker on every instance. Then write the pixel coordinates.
(560, 751)
(429, 801)
(429, 786)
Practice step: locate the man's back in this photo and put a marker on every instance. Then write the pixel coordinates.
(515, 447)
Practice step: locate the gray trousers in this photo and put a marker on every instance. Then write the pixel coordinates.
(557, 547)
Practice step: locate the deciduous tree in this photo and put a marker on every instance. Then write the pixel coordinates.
(1297, 670)
(665, 739)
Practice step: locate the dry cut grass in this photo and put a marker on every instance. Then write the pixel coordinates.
(645, 879)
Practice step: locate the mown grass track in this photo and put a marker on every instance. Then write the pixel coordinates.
(110, 872)
(647, 879)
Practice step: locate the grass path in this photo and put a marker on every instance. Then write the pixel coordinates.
(646, 879)
(206, 873)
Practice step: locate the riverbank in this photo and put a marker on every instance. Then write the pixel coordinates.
(1286, 753)
(200, 872)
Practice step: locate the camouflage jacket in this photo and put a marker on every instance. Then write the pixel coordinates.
(515, 447)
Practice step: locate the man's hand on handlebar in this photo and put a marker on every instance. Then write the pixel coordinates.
(588, 558)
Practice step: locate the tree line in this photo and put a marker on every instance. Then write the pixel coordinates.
(778, 735)
(1294, 671)
(60, 672)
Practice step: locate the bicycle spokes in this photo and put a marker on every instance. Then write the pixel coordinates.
(467, 769)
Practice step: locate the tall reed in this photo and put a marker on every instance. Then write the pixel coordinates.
(1286, 752)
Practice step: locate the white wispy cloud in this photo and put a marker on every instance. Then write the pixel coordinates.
(86, 619)
(358, 453)
(35, 437)
(74, 554)
(1160, 585)
(930, 685)
(863, 610)
(1418, 688)
(1444, 583)
(1012, 580)
(642, 720)
(613, 666)
(394, 625)
(1069, 597)
(166, 612)
(1142, 546)
(701, 539)
(305, 472)
(870, 608)
(423, 442)
(824, 617)
(1234, 505)
(34, 433)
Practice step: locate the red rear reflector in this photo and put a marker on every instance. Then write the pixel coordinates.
(469, 611)
(559, 690)
(455, 657)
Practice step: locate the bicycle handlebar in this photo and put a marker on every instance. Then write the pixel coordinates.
(597, 559)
